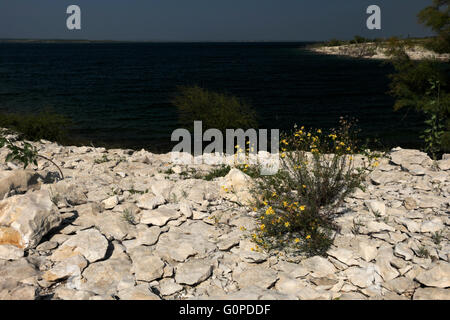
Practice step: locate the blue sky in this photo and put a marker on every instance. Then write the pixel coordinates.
(209, 20)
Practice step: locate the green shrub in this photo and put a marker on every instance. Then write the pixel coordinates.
(215, 110)
(438, 45)
(424, 86)
(296, 207)
(44, 125)
(222, 171)
(24, 153)
(335, 43)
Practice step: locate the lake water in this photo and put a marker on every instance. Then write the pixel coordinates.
(120, 93)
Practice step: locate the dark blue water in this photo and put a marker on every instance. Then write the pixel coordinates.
(120, 92)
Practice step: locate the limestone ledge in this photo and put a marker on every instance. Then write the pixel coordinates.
(133, 225)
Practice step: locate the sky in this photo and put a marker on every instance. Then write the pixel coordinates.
(209, 20)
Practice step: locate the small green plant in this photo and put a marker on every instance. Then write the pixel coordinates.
(222, 171)
(103, 159)
(24, 153)
(377, 214)
(169, 171)
(423, 252)
(128, 216)
(133, 191)
(356, 227)
(437, 237)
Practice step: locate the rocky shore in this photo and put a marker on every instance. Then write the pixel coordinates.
(376, 51)
(131, 225)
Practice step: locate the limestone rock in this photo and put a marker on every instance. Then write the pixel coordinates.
(319, 266)
(25, 219)
(438, 276)
(193, 272)
(400, 285)
(70, 267)
(146, 266)
(169, 287)
(111, 202)
(431, 294)
(104, 277)
(23, 292)
(149, 202)
(361, 277)
(139, 292)
(344, 255)
(90, 243)
(10, 252)
(238, 185)
(367, 251)
(159, 217)
(72, 192)
(257, 276)
(148, 236)
(14, 273)
(19, 180)
(376, 207)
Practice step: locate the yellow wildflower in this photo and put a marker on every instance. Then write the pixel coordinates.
(308, 237)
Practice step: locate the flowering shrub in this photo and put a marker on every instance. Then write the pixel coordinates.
(296, 206)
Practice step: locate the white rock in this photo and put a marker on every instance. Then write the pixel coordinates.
(10, 252)
(193, 272)
(111, 202)
(149, 202)
(367, 251)
(70, 267)
(186, 209)
(139, 292)
(25, 219)
(90, 243)
(257, 276)
(343, 255)
(431, 294)
(104, 277)
(159, 217)
(361, 277)
(146, 266)
(148, 236)
(402, 250)
(319, 266)
(375, 227)
(432, 226)
(438, 276)
(376, 207)
(169, 287)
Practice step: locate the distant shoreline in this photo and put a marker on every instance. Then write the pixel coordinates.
(377, 51)
(143, 41)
